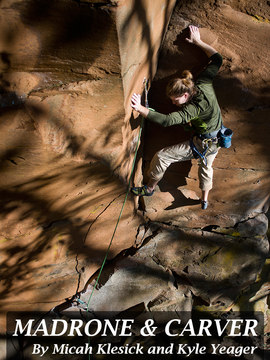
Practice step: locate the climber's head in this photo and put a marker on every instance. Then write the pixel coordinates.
(181, 90)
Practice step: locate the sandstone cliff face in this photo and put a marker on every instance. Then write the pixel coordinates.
(68, 69)
(67, 144)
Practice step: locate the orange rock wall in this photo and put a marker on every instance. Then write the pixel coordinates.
(141, 26)
(67, 71)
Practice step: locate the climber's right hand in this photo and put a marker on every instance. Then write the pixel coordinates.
(136, 102)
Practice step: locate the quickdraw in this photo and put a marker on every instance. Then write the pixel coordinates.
(146, 88)
(197, 154)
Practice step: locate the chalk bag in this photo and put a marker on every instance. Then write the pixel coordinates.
(225, 140)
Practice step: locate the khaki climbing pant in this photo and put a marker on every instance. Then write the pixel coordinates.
(182, 152)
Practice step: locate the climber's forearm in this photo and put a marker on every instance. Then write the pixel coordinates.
(143, 111)
(195, 38)
(209, 50)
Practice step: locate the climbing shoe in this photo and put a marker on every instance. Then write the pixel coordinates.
(204, 204)
(141, 191)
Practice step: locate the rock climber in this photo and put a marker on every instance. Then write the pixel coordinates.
(199, 111)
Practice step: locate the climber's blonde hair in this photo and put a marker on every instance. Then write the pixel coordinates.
(179, 86)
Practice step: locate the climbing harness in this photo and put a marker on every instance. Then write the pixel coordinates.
(205, 142)
(222, 137)
(196, 152)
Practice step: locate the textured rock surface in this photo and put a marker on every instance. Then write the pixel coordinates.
(67, 71)
(136, 280)
(216, 266)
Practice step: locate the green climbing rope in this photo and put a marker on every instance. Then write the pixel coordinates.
(119, 217)
(146, 86)
(118, 220)
(127, 192)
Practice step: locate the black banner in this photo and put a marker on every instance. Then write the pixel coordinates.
(164, 335)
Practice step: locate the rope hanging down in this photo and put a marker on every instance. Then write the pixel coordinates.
(127, 192)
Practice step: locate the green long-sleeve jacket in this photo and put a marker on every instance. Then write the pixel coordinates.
(202, 114)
